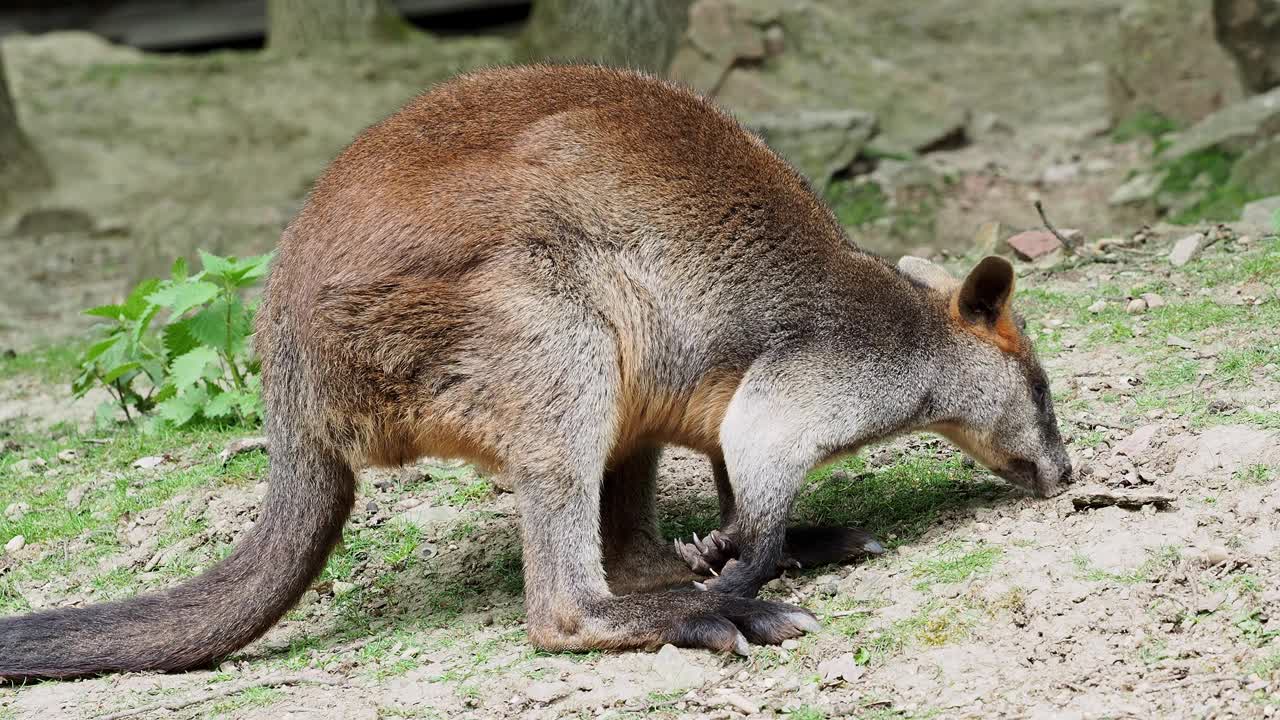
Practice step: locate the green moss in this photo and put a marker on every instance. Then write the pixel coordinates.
(1207, 172)
(1143, 123)
(857, 204)
(954, 564)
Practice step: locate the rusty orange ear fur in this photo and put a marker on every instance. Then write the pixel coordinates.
(983, 304)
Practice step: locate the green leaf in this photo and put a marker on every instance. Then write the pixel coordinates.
(1275, 221)
(97, 349)
(177, 410)
(179, 271)
(177, 338)
(118, 372)
(210, 327)
(216, 266)
(221, 405)
(143, 323)
(181, 297)
(136, 304)
(111, 312)
(187, 370)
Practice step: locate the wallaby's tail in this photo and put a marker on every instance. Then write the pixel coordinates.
(207, 617)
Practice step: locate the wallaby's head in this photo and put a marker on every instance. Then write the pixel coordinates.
(991, 397)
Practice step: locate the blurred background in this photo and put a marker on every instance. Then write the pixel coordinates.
(136, 131)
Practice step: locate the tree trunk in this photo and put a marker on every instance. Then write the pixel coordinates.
(21, 167)
(624, 33)
(304, 26)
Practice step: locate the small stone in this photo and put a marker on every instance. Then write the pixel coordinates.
(1098, 306)
(1136, 306)
(673, 671)
(75, 496)
(1032, 244)
(67, 455)
(775, 41)
(16, 543)
(1153, 300)
(547, 692)
(790, 644)
(16, 511)
(28, 465)
(429, 516)
(146, 463)
(1216, 555)
(739, 703)
(1186, 249)
(1058, 174)
(1211, 602)
(342, 587)
(844, 668)
(371, 507)
(1175, 341)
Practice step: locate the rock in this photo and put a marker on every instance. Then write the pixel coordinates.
(1247, 30)
(907, 182)
(738, 702)
(1138, 442)
(149, 462)
(621, 34)
(1059, 174)
(1175, 341)
(819, 143)
(844, 668)
(719, 35)
(1152, 300)
(1262, 214)
(16, 543)
(342, 587)
(428, 516)
(27, 466)
(790, 644)
(75, 497)
(916, 112)
(16, 511)
(547, 692)
(1234, 128)
(1098, 306)
(1033, 244)
(1185, 250)
(67, 456)
(1136, 306)
(1139, 190)
(673, 671)
(1258, 171)
(1166, 59)
(54, 221)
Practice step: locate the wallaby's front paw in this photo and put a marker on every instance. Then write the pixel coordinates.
(707, 556)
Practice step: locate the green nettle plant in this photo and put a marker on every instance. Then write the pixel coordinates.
(199, 365)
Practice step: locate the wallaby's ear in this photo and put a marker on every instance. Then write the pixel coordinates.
(927, 273)
(984, 297)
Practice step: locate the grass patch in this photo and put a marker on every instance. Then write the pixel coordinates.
(954, 564)
(250, 698)
(896, 503)
(51, 364)
(934, 624)
(1255, 475)
(1159, 561)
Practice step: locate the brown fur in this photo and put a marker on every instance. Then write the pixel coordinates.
(554, 271)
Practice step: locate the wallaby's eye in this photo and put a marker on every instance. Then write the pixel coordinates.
(1041, 394)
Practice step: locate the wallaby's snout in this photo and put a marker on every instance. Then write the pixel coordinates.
(991, 392)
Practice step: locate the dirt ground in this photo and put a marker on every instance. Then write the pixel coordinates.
(987, 604)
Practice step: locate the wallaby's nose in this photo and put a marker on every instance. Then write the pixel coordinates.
(1066, 477)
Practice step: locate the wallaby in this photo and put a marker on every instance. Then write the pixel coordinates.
(552, 272)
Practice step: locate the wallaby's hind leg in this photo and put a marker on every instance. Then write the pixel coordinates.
(805, 547)
(558, 460)
(635, 557)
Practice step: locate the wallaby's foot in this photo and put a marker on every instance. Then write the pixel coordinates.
(647, 567)
(692, 619)
(806, 547)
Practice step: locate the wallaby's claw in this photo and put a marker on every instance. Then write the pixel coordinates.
(707, 555)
